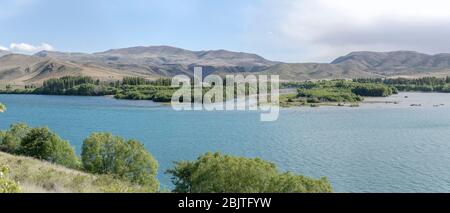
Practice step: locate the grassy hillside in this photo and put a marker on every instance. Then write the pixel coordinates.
(36, 176)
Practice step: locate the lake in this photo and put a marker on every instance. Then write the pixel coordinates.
(374, 148)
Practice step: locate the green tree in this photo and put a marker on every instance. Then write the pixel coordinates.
(43, 144)
(10, 140)
(103, 153)
(372, 90)
(216, 173)
(288, 182)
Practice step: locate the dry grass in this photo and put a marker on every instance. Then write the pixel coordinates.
(36, 176)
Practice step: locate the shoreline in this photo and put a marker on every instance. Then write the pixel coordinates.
(401, 98)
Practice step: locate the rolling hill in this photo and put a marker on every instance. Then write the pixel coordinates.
(165, 61)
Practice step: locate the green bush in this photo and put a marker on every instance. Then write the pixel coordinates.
(313, 100)
(10, 140)
(7, 185)
(163, 96)
(425, 84)
(216, 173)
(43, 144)
(328, 95)
(103, 153)
(372, 90)
(146, 92)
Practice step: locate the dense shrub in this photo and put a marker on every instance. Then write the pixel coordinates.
(146, 92)
(163, 96)
(312, 100)
(10, 140)
(329, 95)
(43, 144)
(103, 153)
(372, 90)
(425, 84)
(91, 90)
(341, 90)
(216, 173)
(132, 95)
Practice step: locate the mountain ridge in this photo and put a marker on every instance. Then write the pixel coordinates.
(4, 52)
(165, 61)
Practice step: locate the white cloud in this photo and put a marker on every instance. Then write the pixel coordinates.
(3, 48)
(28, 48)
(320, 30)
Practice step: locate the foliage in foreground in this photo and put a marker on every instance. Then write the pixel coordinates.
(216, 173)
(39, 143)
(126, 166)
(35, 176)
(103, 153)
(7, 185)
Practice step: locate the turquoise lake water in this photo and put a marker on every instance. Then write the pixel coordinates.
(373, 148)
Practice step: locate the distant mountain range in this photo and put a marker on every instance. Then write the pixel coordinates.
(3, 52)
(164, 61)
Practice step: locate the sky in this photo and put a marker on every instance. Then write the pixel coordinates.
(281, 30)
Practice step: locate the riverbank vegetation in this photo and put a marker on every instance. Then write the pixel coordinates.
(160, 90)
(130, 88)
(426, 84)
(134, 88)
(312, 93)
(341, 92)
(333, 92)
(137, 88)
(38, 160)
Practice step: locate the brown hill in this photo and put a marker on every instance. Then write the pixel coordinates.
(164, 61)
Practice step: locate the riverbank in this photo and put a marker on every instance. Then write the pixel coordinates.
(410, 100)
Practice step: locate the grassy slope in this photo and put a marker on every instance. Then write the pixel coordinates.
(36, 176)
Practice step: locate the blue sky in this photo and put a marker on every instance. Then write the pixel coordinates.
(97, 25)
(285, 30)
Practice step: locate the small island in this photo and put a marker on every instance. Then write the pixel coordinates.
(352, 92)
(334, 93)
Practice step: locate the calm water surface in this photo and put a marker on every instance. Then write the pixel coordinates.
(373, 148)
